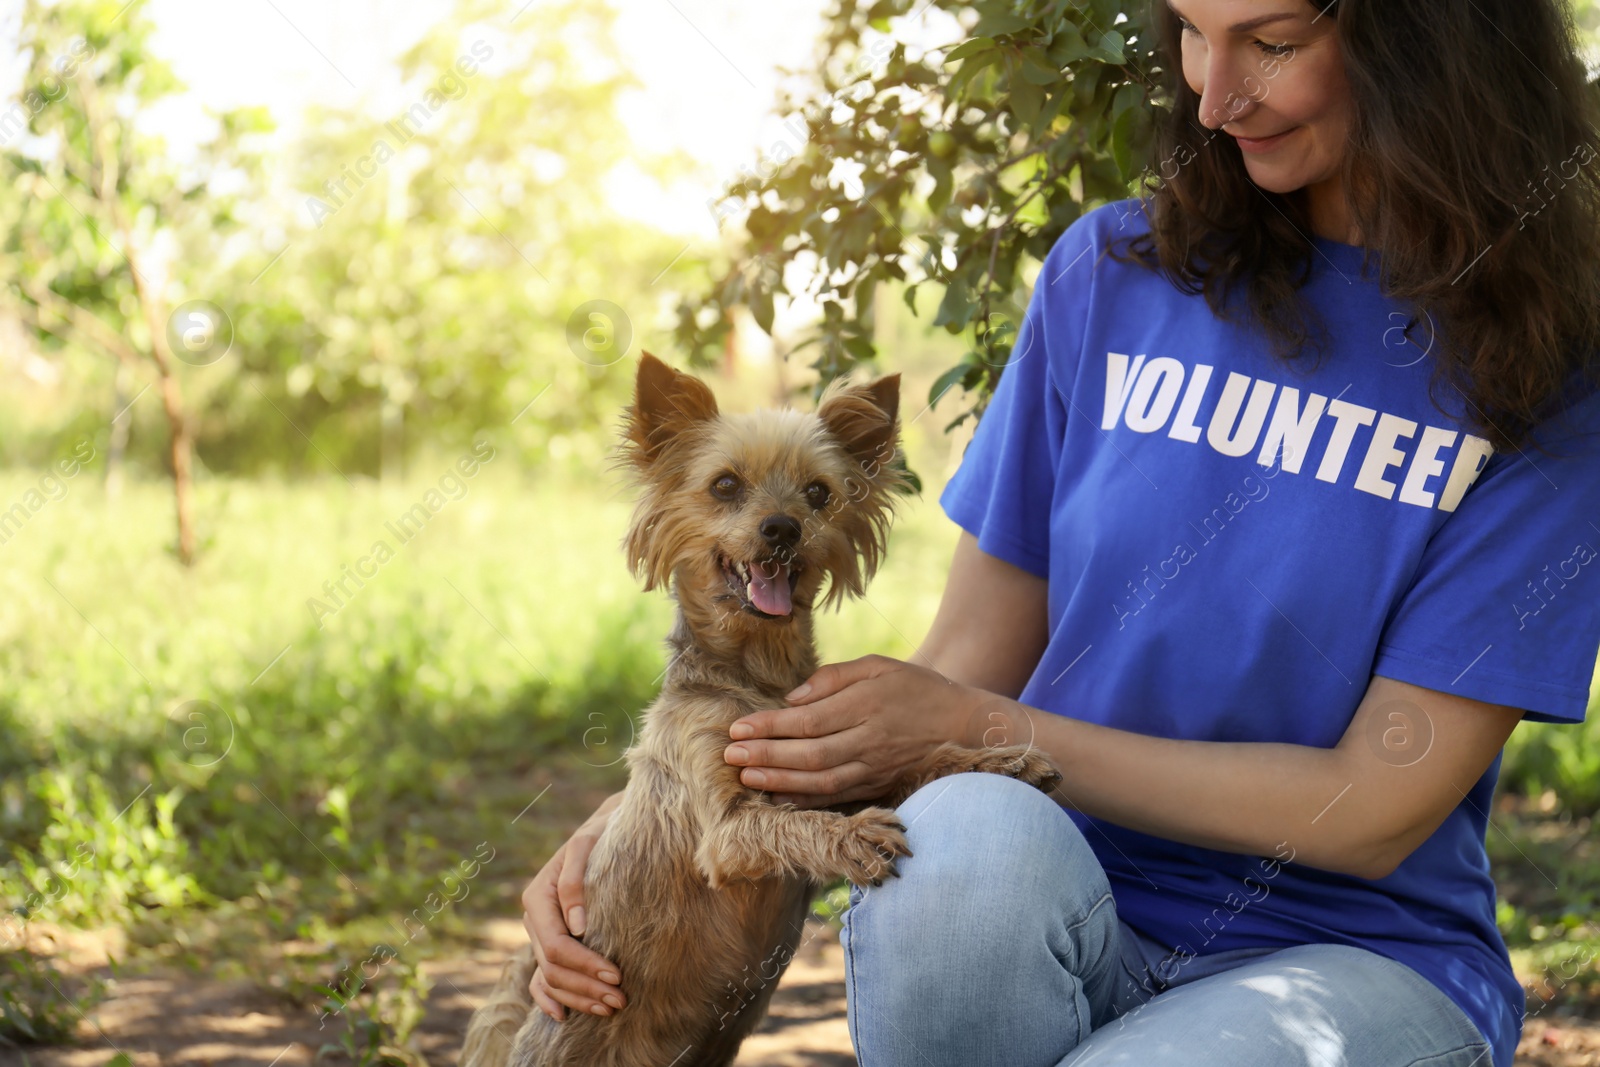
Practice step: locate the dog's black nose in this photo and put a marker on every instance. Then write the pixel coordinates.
(780, 531)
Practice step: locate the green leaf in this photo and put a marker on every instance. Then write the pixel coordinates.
(969, 70)
(957, 306)
(940, 197)
(957, 421)
(1068, 46)
(1101, 180)
(1109, 48)
(1086, 84)
(861, 348)
(761, 307)
(1053, 104)
(913, 480)
(865, 291)
(1037, 68)
(1034, 213)
(999, 23)
(947, 381)
(1121, 143)
(972, 46)
(1026, 99)
(1129, 96)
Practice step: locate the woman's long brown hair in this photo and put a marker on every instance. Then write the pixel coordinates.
(1471, 171)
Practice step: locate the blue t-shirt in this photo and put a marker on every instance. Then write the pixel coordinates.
(1234, 545)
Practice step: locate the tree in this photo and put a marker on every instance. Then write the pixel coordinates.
(93, 198)
(435, 256)
(972, 158)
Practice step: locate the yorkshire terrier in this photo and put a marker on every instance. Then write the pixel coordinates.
(699, 887)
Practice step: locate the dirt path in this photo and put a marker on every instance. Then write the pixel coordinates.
(182, 1020)
(179, 1019)
(804, 1028)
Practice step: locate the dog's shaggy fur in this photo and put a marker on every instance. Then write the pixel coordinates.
(699, 886)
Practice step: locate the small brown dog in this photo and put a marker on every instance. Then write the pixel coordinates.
(699, 886)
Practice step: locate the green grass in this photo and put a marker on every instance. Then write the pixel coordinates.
(1547, 867)
(173, 739)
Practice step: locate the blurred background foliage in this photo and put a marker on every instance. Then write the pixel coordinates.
(381, 305)
(188, 749)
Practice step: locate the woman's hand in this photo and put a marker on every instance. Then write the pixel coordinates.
(852, 730)
(569, 972)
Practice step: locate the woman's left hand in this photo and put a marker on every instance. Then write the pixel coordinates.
(851, 731)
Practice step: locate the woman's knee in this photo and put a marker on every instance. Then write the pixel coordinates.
(991, 857)
(1001, 892)
(994, 826)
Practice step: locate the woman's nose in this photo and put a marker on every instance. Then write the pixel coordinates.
(1230, 93)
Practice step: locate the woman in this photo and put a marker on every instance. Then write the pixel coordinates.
(1271, 580)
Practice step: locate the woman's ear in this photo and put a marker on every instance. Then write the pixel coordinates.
(864, 418)
(665, 403)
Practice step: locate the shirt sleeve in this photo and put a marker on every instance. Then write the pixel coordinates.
(1505, 605)
(1002, 490)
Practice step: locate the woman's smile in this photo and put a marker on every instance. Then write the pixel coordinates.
(1263, 144)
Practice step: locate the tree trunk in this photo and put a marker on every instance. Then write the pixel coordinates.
(181, 444)
(391, 455)
(121, 420)
(182, 450)
(391, 412)
(730, 347)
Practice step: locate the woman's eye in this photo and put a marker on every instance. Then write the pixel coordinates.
(725, 487)
(817, 495)
(1277, 51)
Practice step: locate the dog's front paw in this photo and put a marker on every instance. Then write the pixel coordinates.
(872, 840)
(1023, 763)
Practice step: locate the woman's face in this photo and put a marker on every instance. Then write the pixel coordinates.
(1270, 69)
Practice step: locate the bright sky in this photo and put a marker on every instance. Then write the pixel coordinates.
(710, 69)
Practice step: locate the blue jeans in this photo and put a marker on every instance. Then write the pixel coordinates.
(1000, 944)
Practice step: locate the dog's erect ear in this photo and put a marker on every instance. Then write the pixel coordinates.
(865, 418)
(665, 402)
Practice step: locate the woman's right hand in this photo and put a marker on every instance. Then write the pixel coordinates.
(570, 974)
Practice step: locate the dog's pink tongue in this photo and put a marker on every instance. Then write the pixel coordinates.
(770, 594)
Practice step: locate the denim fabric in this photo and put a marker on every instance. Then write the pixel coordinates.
(1000, 944)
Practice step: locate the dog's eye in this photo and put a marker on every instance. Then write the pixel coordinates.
(817, 495)
(726, 487)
